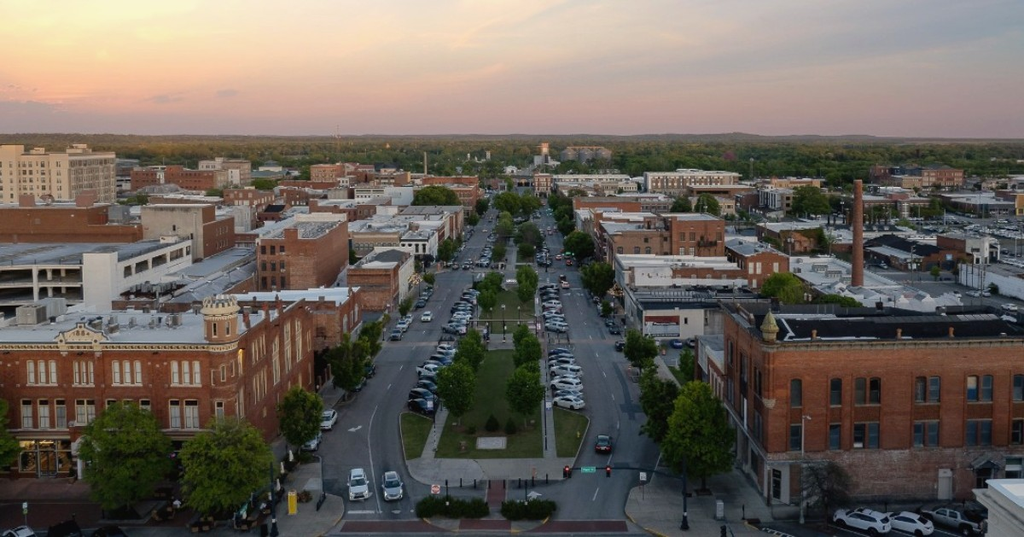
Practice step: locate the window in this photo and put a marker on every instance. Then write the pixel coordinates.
(867, 391)
(972, 388)
(795, 436)
(85, 411)
(192, 414)
(175, 414)
(138, 372)
(27, 422)
(44, 414)
(927, 389)
(934, 389)
(1018, 387)
(116, 369)
(865, 435)
(835, 436)
(197, 377)
(986, 388)
(1017, 432)
(636, 249)
(978, 433)
(281, 251)
(144, 404)
(796, 393)
(835, 392)
(218, 409)
(175, 373)
(926, 434)
(30, 366)
(61, 413)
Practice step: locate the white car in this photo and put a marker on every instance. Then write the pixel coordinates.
(873, 522)
(566, 371)
(391, 486)
(444, 347)
(975, 294)
(402, 325)
(566, 383)
(328, 419)
(570, 402)
(561, 328)
(428, 369)
(314, 443)
(358, 487)
(426, 317)
(561, 360)
(20, 531)
(1009, 307)
(911, 523)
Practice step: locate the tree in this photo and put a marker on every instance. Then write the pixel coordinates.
(580, 244)
(446, 250)
(507, 202)
(828, 485)
(527, 251)
(810, 200)
(435, 195)
(698, 434)
(348, 363)
(215, 192)
(455, 386)
(126, 455)
(405, 306)
(784, 286)
(527, 352)
(298, 415)
(482, 205)
(526, 283)
(504, 227)
(706, 203)
(657, 399)
(524, 391)
(681, 205)
(935, 272)
(471, 349)
(429, 278)
(263, 184)
(492, 281)
(372, 333)
(9, 446)
(640, 350)
(529, 204)
(565, 226)
(528, 233)
(844, 301)
(598, 278)
(472, 219)
(224, 466)
(519, 334)
(487, 299)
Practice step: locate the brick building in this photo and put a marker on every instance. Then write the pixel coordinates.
(57, 176)
(249, 197)
(186, 369)
(671, 234)
(239, 170)
(467, 188)
(383, 277)
(353, 210)
(310, 251)
(196, 180)
(679, 182)
(757, 260)
(197, 222)
(82, 221)
(542, 184)
(334, 311)
(914, 406)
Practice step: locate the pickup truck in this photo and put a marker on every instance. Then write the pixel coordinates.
(952, 518)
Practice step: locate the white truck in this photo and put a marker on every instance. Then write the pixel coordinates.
(952, 518)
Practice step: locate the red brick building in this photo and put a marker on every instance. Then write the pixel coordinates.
(757, 261)
(309, 252)
(210, 235)
(186, 369)
(79, 222)
(672, 234)
(353, 210)
(198, 180)
(914, 406)
(249, 197)
(379, 278)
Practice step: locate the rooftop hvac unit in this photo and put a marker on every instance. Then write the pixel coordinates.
(31, 314)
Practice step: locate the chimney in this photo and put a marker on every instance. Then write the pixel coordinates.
(814, 335)
(857, 277)
(26, 200)
(950, 332)
(246, 320)
(899, 333)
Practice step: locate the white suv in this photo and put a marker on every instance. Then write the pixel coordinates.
(358, 487)
(874, 522)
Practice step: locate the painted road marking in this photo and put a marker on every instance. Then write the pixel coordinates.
(356, 428)
(594, 499)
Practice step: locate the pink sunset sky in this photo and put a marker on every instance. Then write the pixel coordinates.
(943, 68)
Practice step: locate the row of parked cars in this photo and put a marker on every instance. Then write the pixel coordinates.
(551, 308)
(423, 395)
(566, 379)
(921, 523)
(462, 313)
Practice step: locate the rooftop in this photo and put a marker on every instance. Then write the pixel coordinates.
(71, 254)
(337, 295)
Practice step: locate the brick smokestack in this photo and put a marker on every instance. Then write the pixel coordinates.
(857, 277)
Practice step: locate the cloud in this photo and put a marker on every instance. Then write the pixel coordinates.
(226, 93)
(165, 99)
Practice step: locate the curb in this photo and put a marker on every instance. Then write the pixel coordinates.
(641, 526)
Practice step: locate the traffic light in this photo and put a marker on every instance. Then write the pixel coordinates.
(608, 471)
(566, 472)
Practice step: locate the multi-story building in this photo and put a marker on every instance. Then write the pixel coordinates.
(585, 153)
(239, 171)
(197, 222)
(542, 184)
(56, 176)
(936, 176)
(185, 368)
(466, 188)
(915, 406)
(308, 251)
(383, 277)
(195, 180)
(758, 260)
(82, 221)
(679, 182)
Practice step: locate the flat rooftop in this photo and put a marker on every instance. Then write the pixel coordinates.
(307, 230)
(71, 254)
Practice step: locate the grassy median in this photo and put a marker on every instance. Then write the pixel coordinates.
(570, 429)
(415, 430)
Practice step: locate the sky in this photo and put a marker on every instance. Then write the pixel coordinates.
(919, 68)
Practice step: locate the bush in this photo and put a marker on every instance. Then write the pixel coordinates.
(510, 427)
(471, 429)
(432, 506)
(492, 424)
(528, 510)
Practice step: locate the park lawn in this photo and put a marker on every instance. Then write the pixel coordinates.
(570, 430)
(511, 302)
(489, 399)
(415, 430)
(678, 374)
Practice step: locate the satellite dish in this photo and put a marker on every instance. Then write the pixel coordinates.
(47, 199)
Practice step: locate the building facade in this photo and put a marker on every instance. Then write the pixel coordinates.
(309, 252)
(57, 176)
(678, 182)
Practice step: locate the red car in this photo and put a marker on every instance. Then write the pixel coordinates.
(603, 444)
(568, 262)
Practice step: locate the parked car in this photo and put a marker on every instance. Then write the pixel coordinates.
(328, 418)
(421, 303)
(603, 444)
(954, 518)
(314, 443)
(676, 343)
(391, 486)
(426, 317)
(358, 487)
(427, 384)
(565, 370)
(566, 383)
(568, 393)
(615, 330)
(620, 345)
(570, 402)
(370, 370)
(396, 335)
(559, 350)
(444, 347)
(427, 368)
(556, 326)
(560, 361)
(912, 523)
(873, 522)
(1009, 307)
(20, 531)
(422, 406)
(421, 393)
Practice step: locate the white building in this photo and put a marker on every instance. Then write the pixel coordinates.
(56, 176)
(677, 182)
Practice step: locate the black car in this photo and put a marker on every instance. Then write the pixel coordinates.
(427, 384)
(421, 393)
(68, 528)
(422, 406)
(620, 345)
(421, 303)
(370, 370)
(614, 329)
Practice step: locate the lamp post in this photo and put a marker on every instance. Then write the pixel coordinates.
(502, 323)
(685, 524)
(273, 505)
(519, 315)
(803, 491)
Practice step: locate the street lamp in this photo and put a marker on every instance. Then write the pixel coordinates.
(273, 505)
(685, 524)
(502, 323)
(803, 491)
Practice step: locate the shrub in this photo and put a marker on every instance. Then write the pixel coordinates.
(432, 506)
(510, 427)
(492, 424)
(471, 429)
(528, 510)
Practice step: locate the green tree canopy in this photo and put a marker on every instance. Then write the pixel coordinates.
(372, 333)
(507, 202)
(844, 301)
(471, 349)
(482, 205)
(456, 387)
(524, 391)
(446, 250)
(681, 205)
(224, 466)
(698, 434)
(429, 278)
(505, 227)
(527, 351)
(520, 333)
(528, 233)
(784, 286)
(348, 363)
(298, 415)
(706, 203)
(405, 306)
(640, 350)
(810, 200)
(657, 399)
(598, 277)
(526, 283)
(565, 225)
(487, 299)
(264, 184)
(491, 282)
(126, 455)
(580, 244)
(472, 219)
(9, 446)
(435, 195)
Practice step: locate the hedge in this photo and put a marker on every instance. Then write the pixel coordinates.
(432, 506)
(528, 510)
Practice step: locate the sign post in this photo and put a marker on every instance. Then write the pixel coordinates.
(435, 489)
(24, 512)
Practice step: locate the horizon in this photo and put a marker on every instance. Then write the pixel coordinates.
(777, 68)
